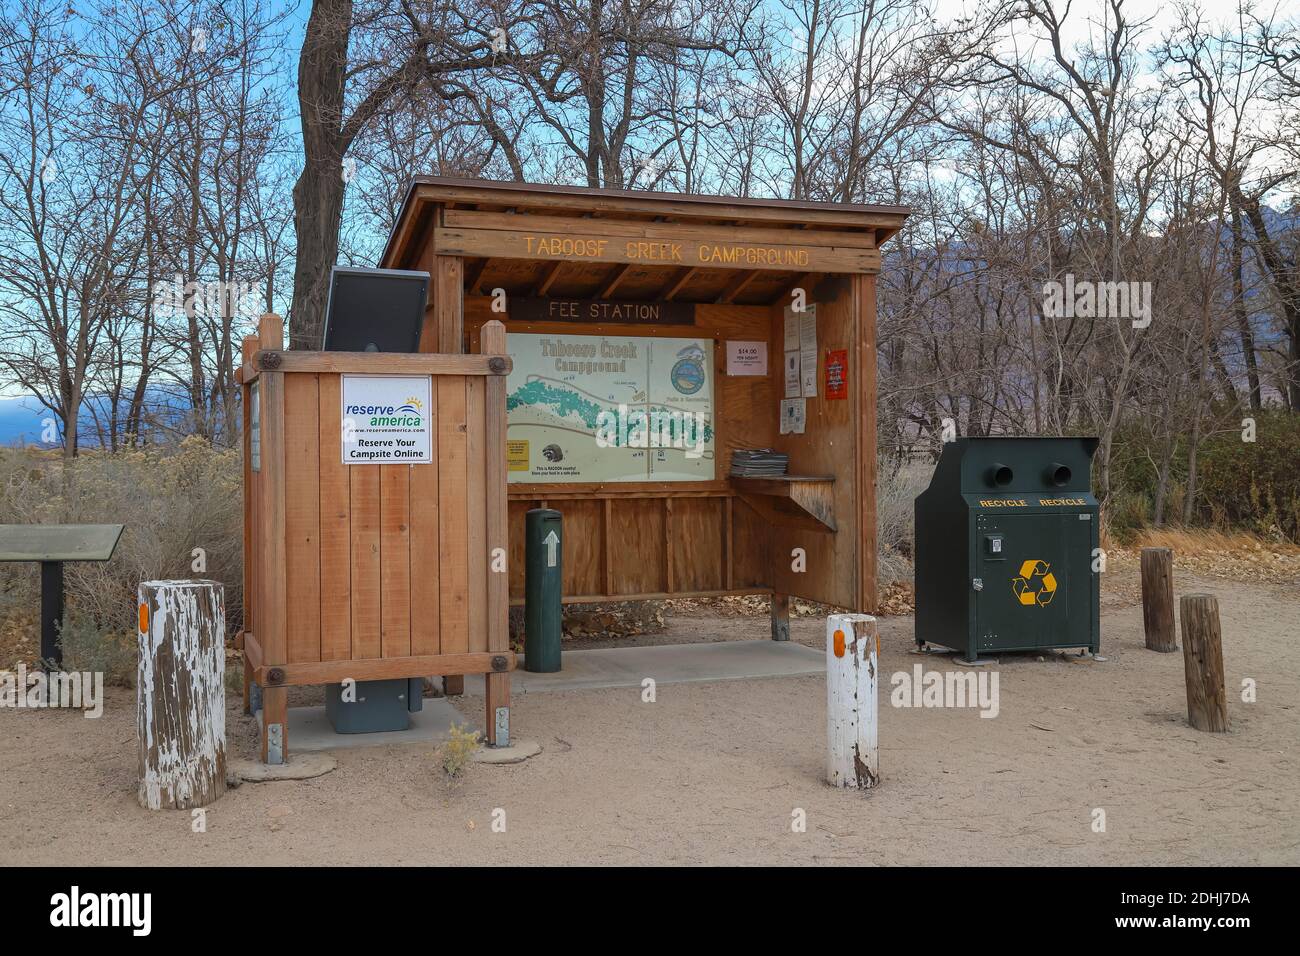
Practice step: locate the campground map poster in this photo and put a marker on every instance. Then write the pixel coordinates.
(601, 408)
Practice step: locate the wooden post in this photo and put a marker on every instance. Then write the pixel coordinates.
(864, 301)
(1207, 703)
(780, 617)
(1158, 599)
(852, 751)
(492, 341)
(249, 349)
(273, 599)
(181, 694)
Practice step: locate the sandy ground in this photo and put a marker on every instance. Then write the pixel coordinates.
(715, 773)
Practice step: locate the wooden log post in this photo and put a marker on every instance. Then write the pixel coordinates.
(1158, 599)
(780, 617)
(181, 694)
(1207, 702)
(852, 747)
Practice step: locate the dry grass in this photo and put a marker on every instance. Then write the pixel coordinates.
(1206, 541)
(1225, 554)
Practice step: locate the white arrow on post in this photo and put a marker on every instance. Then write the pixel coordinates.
(552, 542)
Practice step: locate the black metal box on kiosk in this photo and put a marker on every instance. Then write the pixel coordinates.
(1007, 547)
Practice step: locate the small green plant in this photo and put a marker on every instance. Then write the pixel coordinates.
(459, 749)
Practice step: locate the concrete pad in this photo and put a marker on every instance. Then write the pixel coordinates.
(310, 730)
(302, 766)
(667, 664)
(515, 753)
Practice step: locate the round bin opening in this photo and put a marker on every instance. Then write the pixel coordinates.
(1000, 476)
(1059, 475)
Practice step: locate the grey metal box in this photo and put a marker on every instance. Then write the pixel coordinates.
(379, 705)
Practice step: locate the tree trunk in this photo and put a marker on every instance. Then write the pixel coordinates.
(1287, 291)
(181, 694)
(1244, 330)
(318, 193)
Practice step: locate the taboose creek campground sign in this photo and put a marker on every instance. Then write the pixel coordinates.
(387, 420)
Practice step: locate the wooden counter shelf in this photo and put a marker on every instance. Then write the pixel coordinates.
(802, 501)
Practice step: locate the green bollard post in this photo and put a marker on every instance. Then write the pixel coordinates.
(543, 553)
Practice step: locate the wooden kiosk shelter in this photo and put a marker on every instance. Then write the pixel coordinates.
(374, 571)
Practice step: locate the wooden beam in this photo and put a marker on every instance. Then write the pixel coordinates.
(493, 342)
(732, 250)
(548, 279)
(683, 276)
(473, 276)
(382, 363)
(662, 229)
(271, 676)
(270, 331)
(574, 200)
(736, 286)
(620, 273)
(273, 603)
(607, 550)
(863, 301)
(669, 569)
(448, 301)
(650, 596)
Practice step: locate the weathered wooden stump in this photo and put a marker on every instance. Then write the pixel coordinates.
(852, 753)
(1158, 599)
(181, 694)
(1207, 702)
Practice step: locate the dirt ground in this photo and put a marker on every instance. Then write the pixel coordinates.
(716, 773)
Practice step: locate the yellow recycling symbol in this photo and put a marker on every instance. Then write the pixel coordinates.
(1036, 583)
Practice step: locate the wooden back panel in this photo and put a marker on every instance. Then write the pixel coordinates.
(373, 561)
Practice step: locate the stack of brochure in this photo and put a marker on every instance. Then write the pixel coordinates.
(758, 463)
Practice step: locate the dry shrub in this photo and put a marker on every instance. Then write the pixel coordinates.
(171, 499)
(896, 493)
(458, 751)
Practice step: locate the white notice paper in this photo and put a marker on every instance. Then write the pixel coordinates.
(808, 372)
(794, 413)
(386, 419)
(791, 329)
(808, 328)
(746, 358)
(808, 351)
(792, 380)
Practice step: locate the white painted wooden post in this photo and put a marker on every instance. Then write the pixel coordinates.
(181, 694)
(852, 752)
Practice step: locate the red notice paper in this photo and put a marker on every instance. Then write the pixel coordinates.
(837, 374)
